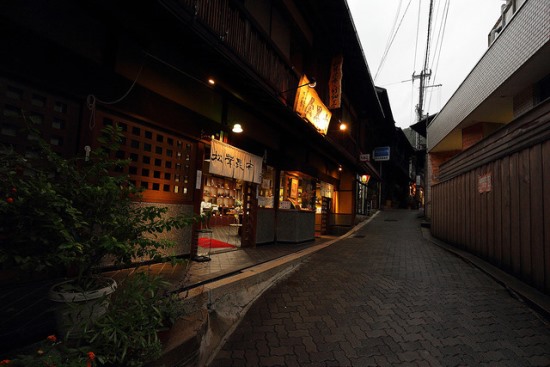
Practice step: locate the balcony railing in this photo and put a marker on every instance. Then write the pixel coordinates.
(507, 12)
(228, 20)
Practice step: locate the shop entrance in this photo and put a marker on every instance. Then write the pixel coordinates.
(221, 215)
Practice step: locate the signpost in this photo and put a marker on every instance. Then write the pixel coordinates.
(381, 154)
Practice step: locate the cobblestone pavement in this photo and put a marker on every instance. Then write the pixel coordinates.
(387, 297)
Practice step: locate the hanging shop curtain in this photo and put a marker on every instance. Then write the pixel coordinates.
(228, 161)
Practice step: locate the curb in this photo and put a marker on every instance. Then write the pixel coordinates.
(536, 299)
(216, 308)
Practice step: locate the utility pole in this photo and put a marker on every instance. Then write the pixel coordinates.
(425, 73)
(424, 76)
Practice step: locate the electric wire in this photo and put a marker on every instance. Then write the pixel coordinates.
(391, 42)
(392, 30)
(92, 100)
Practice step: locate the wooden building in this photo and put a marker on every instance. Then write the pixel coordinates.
(179, 75)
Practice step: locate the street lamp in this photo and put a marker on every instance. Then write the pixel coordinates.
(312, 84)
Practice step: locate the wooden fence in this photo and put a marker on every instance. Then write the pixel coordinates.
(493, 200)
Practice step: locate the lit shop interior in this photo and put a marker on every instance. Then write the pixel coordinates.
(221, 214)
(305, 200)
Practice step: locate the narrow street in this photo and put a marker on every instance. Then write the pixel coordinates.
(388, 297)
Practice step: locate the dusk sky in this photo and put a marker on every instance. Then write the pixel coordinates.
(455, 48)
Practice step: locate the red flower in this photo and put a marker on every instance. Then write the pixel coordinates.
(91, 357)
(52, 338)
(4, 362)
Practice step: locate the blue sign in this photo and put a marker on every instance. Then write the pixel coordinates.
(381, 154)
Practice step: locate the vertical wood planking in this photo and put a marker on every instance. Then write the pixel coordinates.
(461, 210)
(497, 212)
(524, 207)
(468, 203)
(477, 211)
(506, 214)
(546, 212)
(483, 199)
(473, 196)
(515, 253)
(491, 218)
(536, 215)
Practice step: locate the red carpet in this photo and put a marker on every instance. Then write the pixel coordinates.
(203, 242)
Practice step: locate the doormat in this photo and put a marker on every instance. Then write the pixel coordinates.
(213, 243)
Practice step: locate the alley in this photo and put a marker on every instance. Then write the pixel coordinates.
(385, 296)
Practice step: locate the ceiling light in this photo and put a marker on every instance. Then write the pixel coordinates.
(237, 128)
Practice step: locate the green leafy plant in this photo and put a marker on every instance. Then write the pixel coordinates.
(67, 215)
(127, 334)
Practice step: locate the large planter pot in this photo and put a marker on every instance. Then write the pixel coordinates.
(75, 308)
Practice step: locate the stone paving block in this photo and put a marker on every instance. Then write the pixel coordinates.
(391, 298)
(311, 347)
(272, 361)
(301, 354)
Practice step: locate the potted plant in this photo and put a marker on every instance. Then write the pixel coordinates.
(66, 217)
(127, 334)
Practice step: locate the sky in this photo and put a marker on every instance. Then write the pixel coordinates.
(455, 48)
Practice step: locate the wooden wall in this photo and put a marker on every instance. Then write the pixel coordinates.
(493, 200)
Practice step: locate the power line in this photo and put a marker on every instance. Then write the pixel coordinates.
(439, 45)
(391, 42)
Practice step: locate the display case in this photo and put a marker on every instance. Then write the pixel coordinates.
(224, 194)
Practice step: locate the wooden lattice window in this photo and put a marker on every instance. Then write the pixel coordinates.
(55, 117)
(162, 163)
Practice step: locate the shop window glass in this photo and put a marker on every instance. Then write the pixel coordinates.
(297, 191)
(266, 192)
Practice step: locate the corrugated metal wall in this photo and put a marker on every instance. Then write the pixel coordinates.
(493, 200)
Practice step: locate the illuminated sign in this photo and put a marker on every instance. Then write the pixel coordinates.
(309, 106)
(381, 154)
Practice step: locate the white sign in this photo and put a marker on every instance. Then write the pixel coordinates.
(485, 183)
(198, 182)
(228, 161)
(364, 157)
(284, 205)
